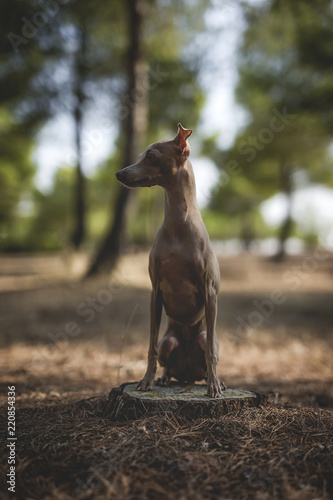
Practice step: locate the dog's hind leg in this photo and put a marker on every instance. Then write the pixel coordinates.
(170, 355)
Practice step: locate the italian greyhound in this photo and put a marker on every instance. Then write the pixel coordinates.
(183, 270)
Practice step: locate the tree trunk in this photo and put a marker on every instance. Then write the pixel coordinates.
(286, 226)
(187, 401)
(134, 128)
(79, 210)
(247, 232)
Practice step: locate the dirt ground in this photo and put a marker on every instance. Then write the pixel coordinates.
(65, 343)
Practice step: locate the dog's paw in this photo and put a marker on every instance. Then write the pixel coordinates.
(163, 381)
(145, 385)
(215, 388)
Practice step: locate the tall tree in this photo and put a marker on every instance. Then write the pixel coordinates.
(80, 70)
(134, 129)
(288, 126)
(94, 64)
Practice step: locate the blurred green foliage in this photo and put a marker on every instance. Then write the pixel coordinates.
(285, 85)
(16, 169)
(40, 78)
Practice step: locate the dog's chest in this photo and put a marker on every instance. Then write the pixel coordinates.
(178, 274)
(177, 267)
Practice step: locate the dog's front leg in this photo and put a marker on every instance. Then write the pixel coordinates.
(214, 386)
(155, 319)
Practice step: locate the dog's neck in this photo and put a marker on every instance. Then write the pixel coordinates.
(180, 205)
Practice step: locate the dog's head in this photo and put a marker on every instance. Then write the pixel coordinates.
(159, 163)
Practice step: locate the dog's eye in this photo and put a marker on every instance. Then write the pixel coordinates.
(150, 156)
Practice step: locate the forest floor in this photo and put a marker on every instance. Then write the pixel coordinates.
(64, 343)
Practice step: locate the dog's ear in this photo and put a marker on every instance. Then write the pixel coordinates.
(181, 142)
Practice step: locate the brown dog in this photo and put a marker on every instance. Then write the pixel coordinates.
(183, 270)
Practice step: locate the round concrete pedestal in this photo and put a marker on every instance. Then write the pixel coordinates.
(189, 401)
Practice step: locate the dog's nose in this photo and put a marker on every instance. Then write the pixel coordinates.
(119, 175)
